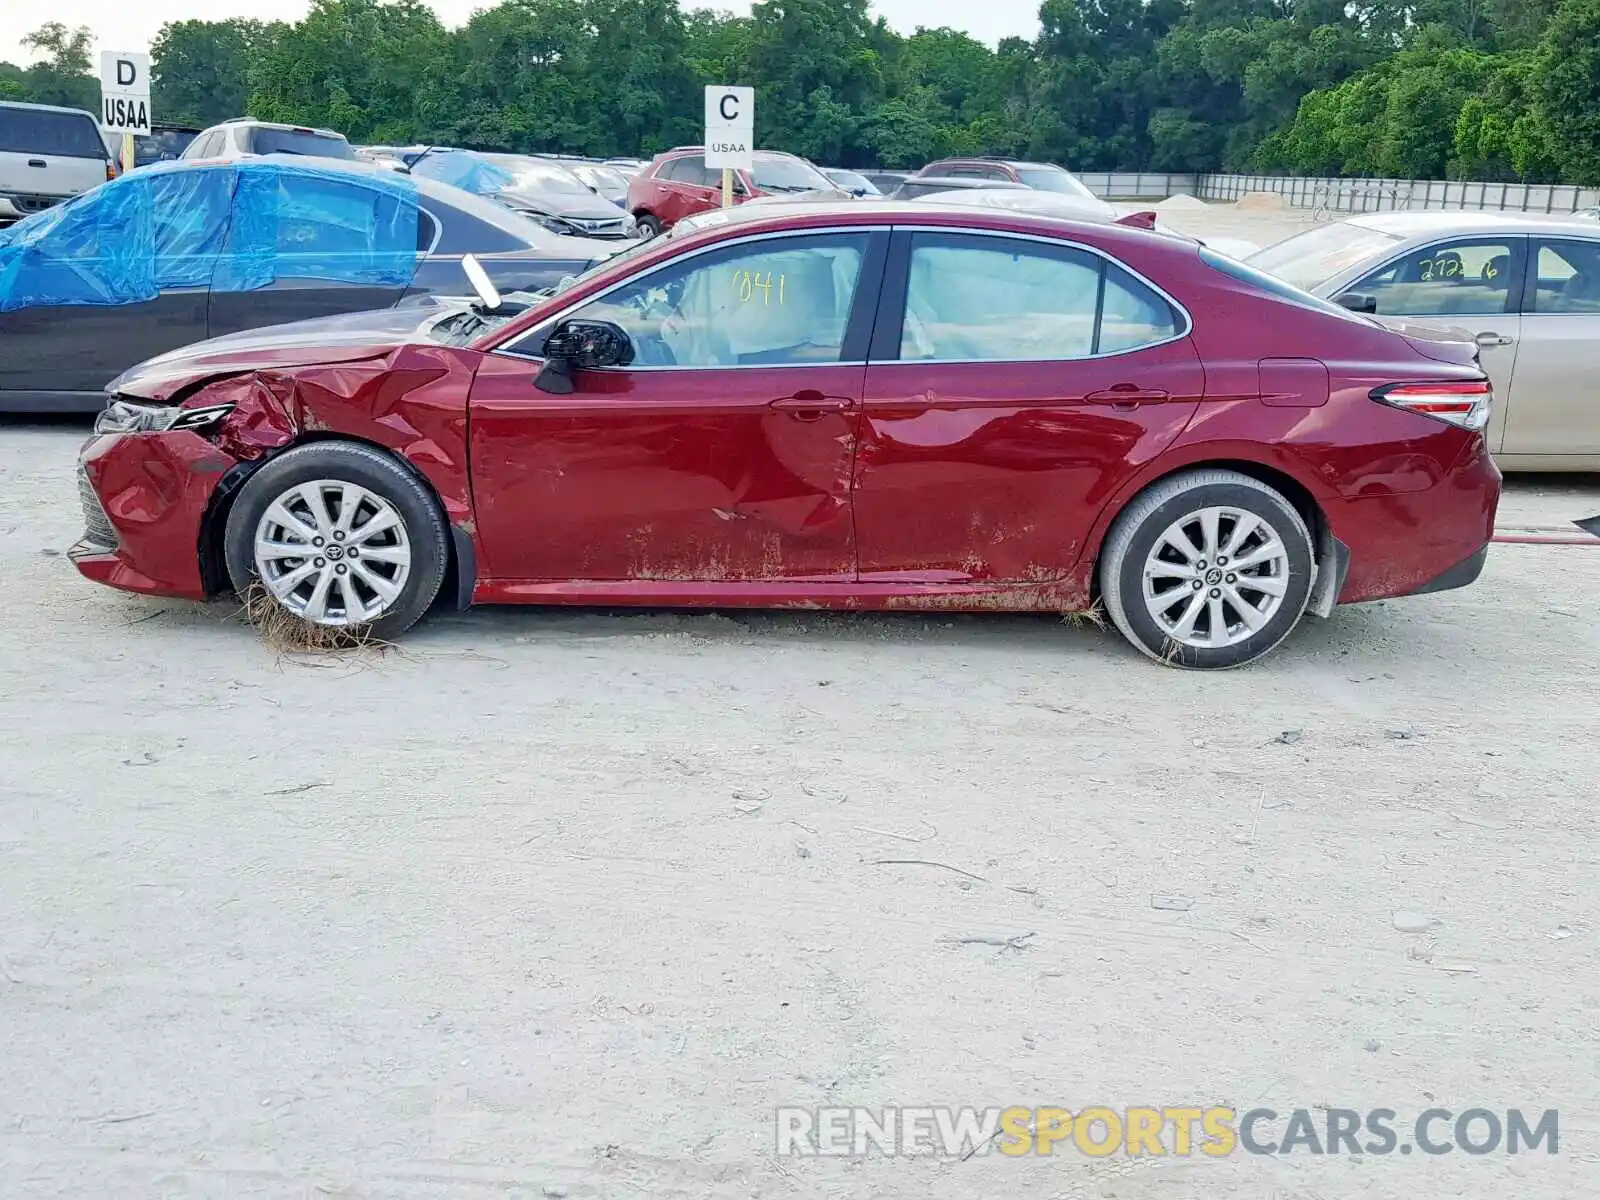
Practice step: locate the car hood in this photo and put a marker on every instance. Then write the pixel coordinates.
(588, 206)
(348, 337)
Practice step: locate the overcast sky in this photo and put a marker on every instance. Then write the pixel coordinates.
(131, 25)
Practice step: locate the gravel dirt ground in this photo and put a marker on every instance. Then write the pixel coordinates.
(547, 903)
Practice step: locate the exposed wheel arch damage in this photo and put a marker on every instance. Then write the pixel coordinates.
(410, 406)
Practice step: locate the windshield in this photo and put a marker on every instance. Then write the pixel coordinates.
(601, 177)
(853, 181)
(266, 140)
(1310, 259)
(43, 131)
(539, 175)
(782, 173)
(1053, 179)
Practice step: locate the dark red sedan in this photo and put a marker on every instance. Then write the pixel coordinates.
(862, 407)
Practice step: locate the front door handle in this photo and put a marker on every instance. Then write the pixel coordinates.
(1492, 339)
(37, 162)
(809, 405)
(1128, 395)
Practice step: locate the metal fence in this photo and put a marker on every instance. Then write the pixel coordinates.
(1138, 185)
(1326, 196)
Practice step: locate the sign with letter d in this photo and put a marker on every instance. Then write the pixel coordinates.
(125, 91)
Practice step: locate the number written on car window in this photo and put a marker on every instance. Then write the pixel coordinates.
(754, 287)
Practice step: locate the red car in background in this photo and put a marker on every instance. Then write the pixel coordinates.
(678, 184)
(854, 406)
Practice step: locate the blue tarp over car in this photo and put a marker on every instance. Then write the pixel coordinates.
(465, 169)
(232, 227)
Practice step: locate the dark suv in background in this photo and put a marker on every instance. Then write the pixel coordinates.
(678, 184)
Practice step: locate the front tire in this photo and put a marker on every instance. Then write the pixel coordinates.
(649, 226)
(1207, 570)
(340, 535)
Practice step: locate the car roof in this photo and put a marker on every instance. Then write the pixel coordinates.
(1429, 223)
(277, 125)
(55, 108)
(956, 182)
(804, 214)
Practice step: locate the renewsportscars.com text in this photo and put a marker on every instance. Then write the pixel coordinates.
(1181, 1131)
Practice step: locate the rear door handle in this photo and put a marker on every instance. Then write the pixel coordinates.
(37, 162)
(1128, 395)
(809, 405)
(1492, 339)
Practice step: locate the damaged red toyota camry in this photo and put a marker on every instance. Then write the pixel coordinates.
(818, 406)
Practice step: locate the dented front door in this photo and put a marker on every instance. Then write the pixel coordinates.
(665, 475)
(723, 451)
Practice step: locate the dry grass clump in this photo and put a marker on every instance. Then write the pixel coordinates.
(286, 633)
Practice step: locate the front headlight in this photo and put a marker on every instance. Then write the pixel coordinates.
(123, 415)
(544, 221)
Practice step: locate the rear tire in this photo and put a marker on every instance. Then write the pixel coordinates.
(1209, 569)
(649, 226)
(352, 510)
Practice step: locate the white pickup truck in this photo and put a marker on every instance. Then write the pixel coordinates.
(46, 155)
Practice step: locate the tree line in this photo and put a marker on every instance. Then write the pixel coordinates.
(1496, 89)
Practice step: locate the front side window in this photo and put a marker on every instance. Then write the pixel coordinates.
(1568, 278)
(775, 302)
(1459, 278)
(691, 169)
(981, 299)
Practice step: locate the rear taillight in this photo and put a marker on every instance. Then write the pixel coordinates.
(112, 170)
(1464, 403)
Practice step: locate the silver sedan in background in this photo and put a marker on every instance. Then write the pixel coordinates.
(1525, 287)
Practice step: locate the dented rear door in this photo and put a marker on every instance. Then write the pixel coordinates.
(1015, 384)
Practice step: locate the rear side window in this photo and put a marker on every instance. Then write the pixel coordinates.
(56, 134)
(983, 299)
(299, 141)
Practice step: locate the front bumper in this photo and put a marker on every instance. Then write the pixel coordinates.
(145, 498)
(16, 205)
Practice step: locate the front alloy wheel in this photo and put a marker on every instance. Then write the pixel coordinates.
(339, 534)
(333, 552)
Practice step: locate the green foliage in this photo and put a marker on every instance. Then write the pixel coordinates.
(1496, 89)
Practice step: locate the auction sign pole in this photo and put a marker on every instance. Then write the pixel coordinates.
(730, 133)
(125, 97)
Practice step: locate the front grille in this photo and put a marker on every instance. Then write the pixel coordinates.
(600, 229)
(96, 525)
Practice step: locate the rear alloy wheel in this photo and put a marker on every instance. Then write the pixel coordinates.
(649, 227)
(1209, 569)
(340, 535)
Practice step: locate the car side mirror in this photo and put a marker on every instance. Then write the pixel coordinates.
(1359, 302)
(581, 345)
(739, 188)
